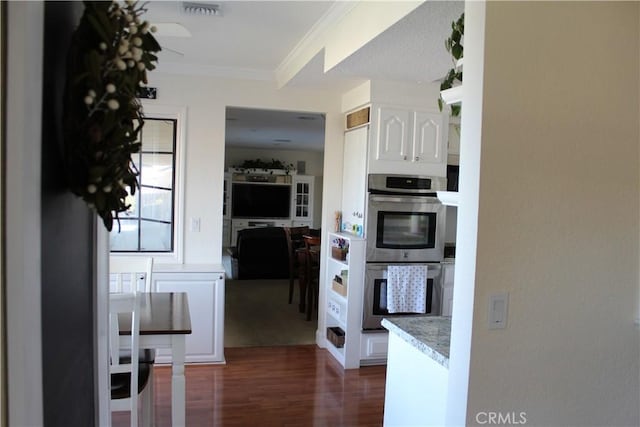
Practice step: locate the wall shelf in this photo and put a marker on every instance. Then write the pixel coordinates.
(453, 95)
(345, 311)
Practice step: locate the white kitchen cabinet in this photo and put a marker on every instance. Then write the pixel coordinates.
(344, 309)
(354, 177)
(447, 288)
(407, 141)
(373, 348)
(302, 199)
(204, 286)
(392, 142)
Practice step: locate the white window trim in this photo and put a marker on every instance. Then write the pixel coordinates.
(178, 113)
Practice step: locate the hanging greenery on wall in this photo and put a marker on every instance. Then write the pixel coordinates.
(111, 51)
(453, 44)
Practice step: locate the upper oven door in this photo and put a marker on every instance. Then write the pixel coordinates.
(405, 229)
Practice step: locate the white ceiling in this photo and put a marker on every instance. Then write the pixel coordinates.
(280, 130)
(252, 38)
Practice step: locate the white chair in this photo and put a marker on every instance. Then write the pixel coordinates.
(128, 377)
(129, 273)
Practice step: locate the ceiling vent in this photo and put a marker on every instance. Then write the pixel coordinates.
(206, 9)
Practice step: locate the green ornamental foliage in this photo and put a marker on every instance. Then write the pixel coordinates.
(111, 51)
(265, 165)
(454, 46)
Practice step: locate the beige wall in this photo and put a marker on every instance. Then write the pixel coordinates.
(314, 160)
(205, 99)
(558, 217)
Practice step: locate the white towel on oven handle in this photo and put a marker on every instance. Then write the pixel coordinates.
(407, 288)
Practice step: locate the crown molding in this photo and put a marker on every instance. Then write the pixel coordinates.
(312, 42)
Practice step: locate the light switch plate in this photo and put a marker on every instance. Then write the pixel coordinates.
(498, 309)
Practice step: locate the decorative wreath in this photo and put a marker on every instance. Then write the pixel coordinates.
(110, 53)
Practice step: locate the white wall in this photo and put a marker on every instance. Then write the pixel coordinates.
(314, 160)
(205, 99)
(558, 217)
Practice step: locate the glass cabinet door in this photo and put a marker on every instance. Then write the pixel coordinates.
(302, 197)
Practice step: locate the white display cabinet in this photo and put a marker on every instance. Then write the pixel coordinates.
(344, 303)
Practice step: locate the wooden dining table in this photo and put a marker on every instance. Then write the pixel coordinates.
(164, 323)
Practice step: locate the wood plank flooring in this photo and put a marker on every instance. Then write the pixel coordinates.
(274, 386)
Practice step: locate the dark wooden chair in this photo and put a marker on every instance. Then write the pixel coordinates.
(312, 252)
(295, 243)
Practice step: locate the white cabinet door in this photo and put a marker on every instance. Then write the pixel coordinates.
(392, 142)
(302, 198)
(373, 346)
(408, 141)
(429, 137)
(205, 293)
(354, 176)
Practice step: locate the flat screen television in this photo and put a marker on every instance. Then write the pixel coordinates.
(260, 200)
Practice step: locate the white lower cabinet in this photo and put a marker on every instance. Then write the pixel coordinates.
(373, 347)
(205, 292)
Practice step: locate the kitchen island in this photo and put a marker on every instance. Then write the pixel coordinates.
(417, 370)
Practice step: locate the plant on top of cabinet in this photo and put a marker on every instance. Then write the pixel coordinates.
(249, 165)
(454, 77)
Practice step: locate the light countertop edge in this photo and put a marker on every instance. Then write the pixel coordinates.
(430, 335)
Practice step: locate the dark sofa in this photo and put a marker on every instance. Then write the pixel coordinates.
(261, 253)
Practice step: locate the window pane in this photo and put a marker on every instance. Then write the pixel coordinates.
(127, 238)
(157, 170)
(156, 204)
(157, 135)
(155, 236)
(147, 226)
(133, 202)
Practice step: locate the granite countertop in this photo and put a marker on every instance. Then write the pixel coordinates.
(430, 335)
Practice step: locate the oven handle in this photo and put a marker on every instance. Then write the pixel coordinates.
(404, 199)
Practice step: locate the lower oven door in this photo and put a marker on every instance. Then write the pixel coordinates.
(375, 290)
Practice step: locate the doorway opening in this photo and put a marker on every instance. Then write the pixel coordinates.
(274, 162)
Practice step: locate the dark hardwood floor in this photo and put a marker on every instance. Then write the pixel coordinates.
(274, 386)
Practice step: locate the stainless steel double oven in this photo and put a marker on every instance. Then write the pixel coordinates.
(405, 226)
